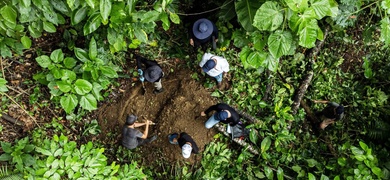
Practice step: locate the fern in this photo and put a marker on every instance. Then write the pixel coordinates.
(6, 175)
(379, 130)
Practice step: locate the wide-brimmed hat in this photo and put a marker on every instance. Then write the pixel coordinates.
(202, 28)
(153, 73)
(171, 137)
(340, 109)
(186, 150)
(209, 65)
(131, 119)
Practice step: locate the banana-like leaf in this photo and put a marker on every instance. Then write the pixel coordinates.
(246, 11)
(269, 17)
(227, 11)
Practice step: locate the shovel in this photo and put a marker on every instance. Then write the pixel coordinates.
(143, 88)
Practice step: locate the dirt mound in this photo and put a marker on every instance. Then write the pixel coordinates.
(177, 109)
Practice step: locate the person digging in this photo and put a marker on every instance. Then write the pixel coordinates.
(224, 113)
(331, 113)
(186, 143)
(202, 32)
(131, 137)
(214, 66)
(152, 72)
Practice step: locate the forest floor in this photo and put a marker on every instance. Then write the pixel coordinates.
(176, 109)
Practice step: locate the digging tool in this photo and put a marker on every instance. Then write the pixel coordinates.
(143, 88)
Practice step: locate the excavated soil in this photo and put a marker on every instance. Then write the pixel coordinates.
(177, 109)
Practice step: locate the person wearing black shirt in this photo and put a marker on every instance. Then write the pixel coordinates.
(224, 113)
(186, 143)
(152, 72)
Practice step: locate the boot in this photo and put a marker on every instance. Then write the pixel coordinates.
(156, 91)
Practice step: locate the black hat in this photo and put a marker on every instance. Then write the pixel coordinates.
(153, 73)
(340, 109)
(202, 28)
(131, 119)
(222, 115)
(209, 65)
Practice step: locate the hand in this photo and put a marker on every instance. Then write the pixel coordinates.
(202, 113)
(140, 72)
(216, 40)
(141, 78)
(192, 42)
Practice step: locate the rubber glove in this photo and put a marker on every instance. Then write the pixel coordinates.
(141, 78)
(140, 72)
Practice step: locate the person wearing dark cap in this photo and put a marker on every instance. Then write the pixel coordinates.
(331, 113)
(214, 66)
(131, 137)
(223, 113)
(186, 143)
(152, 72)
(202, 32)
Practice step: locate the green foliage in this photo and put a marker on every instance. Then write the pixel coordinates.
(215, 162)
(77, 81)
(3, 86)
(58, 157)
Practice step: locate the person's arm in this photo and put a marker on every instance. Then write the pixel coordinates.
(320, 101)
(205, 58)
(195, 148)
(208, 110)
(215, 32)
(145, 134)
(142, 60)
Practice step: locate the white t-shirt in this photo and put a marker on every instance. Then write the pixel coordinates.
(221, 66)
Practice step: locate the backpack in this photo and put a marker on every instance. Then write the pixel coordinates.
(239, 131)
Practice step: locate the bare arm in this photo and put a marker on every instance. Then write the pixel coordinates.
(320, 101)
(139, 124)
(146, 130)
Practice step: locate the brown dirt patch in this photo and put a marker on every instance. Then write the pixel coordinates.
(177, 109)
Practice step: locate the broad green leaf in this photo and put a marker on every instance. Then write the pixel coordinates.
(174, 18)
(43, 151)
(279, 43)
(356, 151)
(3, 87)
(298, 21)
(385, 30)
(64, 86)
(69, 62)
(69, 103)
(9, 14)
(82, 86)
(269, 172)
(92, 49)
(28, 160)
(131, 5)
(271, 63)
(280, 173)
(88, 102)
(311, 176)
(26, 3)
(105, 10)
(311, 162)
(255, 59)
(227, 11)
(321, 8)
(246, 11)
(79, 15)
(240, 39)
(60, 6)
(342, 161)
(81, 54)
(141, 35)
(5, 157)
(297, 5)
(360, 157)
(108, 71)
(308, 34)
(57, 56)
(5, 51)
(34, 32)
(150, 16)
(43, 61)
(54, 90)
(56, 72)
(244, 55)
(269, 17)
(265, 144)
(253, 137)
(363, 145)
(51, 17)
(165, 21)
(96, 91)
(26, 41)
(93, 22)
(377, 171)
(258, 40)
(68, 75)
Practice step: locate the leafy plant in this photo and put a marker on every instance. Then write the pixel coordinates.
(76, 81)
(19, 154)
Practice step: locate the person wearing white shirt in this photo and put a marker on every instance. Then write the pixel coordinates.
(214, 66)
